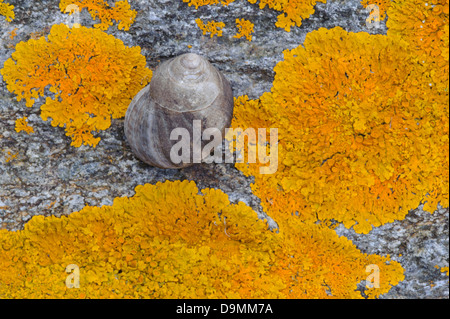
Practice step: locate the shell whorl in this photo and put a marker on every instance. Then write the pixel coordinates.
(180, 84)
(183, 89)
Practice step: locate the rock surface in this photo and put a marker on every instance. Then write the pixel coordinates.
(41, 174)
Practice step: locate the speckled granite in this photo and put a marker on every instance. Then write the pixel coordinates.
(418, 243)
(50, 177)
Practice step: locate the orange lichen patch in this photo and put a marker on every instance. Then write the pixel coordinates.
(199, 3)
(425, 26)
(13, 33)
(170, 241)
(22, 125)
(212, 27)
(294, 11)
(10, 156)
(443, 269)
(245, 29)
(362, 139)
(121, 11)
(226, 2)
(51, 204)
(382, 6)
(36, 35)
(93, 77)
(421, 23)
(7, 11)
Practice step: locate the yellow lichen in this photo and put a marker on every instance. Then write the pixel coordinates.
(10, 156)
(293, 11)
(425, 27)
(363, 138)
(226, 2)
(199, 3)
(245, 28)
(382, 6)
(121, 11)
(22, 125)
(7, 11)
(212, 27)
(93, 77)
(170, 241)
(13, 34)
(37, 34)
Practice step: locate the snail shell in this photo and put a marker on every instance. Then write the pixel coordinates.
(182, 89)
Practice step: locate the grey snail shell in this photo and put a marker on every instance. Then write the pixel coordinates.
(182, 90)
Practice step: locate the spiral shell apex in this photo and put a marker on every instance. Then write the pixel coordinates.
(186, 93)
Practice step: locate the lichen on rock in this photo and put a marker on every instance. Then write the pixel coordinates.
(170, 241)
(356, 125)
(121, 12)
(88, 77)
(7, 11)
